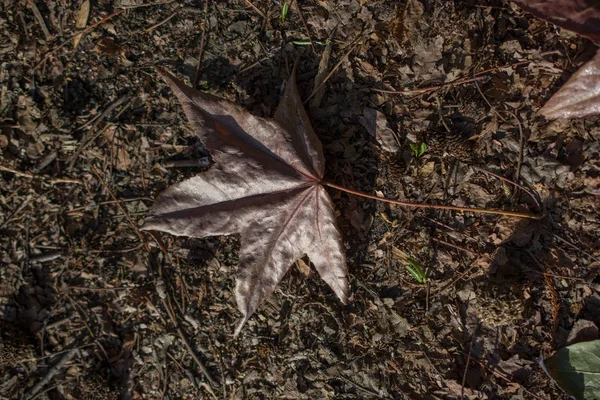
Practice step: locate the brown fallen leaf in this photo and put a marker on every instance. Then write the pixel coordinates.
(580, 96)
(265, 185)
(579, 16)
(81, 21)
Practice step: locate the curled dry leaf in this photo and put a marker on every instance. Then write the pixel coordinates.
(265, 185)
(580, 96)
(579, 16)
(82, 19)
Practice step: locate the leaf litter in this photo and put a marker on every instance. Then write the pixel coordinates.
(301, 343)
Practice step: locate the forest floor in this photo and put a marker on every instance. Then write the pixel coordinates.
(89, 312)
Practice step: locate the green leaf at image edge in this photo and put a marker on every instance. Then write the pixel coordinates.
(576, 369)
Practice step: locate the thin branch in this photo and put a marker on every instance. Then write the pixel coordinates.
(202, 38)
(70, 38)
(42, 177)
(431, 88)
(352, 47)
(187, 344)
(133, 226)
(476, 77)
(464, 378)
(40, 20)
(158, 3)
(51, 372)
(262, 14)
(521, 146)
(435, 206)
(164, 21)
(171, 316)
(517, 185)
(301, 15)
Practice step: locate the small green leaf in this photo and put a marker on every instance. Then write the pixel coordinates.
(286, 7)
(418, 150)
(413, 268)
(576, 369)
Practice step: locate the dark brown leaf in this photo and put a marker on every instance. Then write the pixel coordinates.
(265, 185)
(579, 16)
(580, 96)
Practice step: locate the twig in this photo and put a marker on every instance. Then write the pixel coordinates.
(434, 206)
(323, 64)
(40, 20)
(431, 88)
(301, 15)
(158, 3)
(169, 312)
(200, 162)
(164, 21)
(187, 344)
(86, 138)
(51, 372)
(262, 14)
(521, 146)
(53, 255)
(70, 38)
(201, 52)
(456, 82)
(352, 47)
(488, 103)
(503, 377)
(42, 177)
(523, 188)
(133, 226)
(464, 378)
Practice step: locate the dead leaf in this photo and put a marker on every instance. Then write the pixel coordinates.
(580, 96)
(265, 185)
(376, 124)
(81, 21)
(579, 16)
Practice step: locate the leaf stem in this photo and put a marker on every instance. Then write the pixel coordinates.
(433, 206)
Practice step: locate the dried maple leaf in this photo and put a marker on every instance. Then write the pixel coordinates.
(580, 96)
(265, 185)
(579, 16)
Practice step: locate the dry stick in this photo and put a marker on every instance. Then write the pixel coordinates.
(162, 247)
(503, 377)
(87, 137)
(40, 20)
(158, 3)
(352, 47)
(188, 345)
(453, 83)
(521, 145)
(431, 88)
(70, 38)
(434, 206)
(464, 378)
(488, 103)
(503, 179)
(262, 14)
(134, 226)
(301, 15)
(201, 52)
(42, 177)
(164, 21)
(51, 372)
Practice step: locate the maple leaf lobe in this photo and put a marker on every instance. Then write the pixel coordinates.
(265, 186)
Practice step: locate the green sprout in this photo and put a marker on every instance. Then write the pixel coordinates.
(307, 42)
(286, 8)
(416, 271)
(418, 150)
